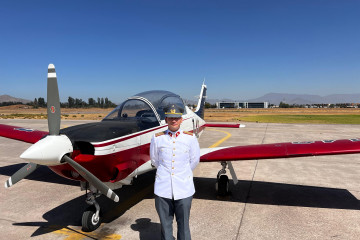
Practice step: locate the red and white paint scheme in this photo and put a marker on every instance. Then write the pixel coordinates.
(104, 156)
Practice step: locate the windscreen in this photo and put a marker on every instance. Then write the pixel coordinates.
(134, 110)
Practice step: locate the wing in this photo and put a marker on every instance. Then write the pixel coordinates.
(22, 134)
(281, 150)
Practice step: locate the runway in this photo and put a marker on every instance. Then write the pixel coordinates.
(299, 198)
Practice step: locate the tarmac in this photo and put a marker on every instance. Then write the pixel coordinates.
(298, 198)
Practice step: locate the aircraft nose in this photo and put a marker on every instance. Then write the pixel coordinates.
(48, 151)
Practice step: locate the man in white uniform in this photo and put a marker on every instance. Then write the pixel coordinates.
(175, 154)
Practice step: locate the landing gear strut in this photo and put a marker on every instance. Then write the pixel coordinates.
(91, 218)
(222, 183)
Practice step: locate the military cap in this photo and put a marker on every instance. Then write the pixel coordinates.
(173, 111)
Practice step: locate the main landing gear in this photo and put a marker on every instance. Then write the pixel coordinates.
(91, 218)
(222, 182)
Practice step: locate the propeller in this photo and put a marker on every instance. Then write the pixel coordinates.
(91, 179)
(53, 102)
(52, 149)
(20, 174)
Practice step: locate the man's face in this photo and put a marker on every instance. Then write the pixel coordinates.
(173, 123)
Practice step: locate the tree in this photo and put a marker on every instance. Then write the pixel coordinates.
(79, 103)
(91, 102)
(71, 102)
(36, 104)
(41, 102)
(283, 105)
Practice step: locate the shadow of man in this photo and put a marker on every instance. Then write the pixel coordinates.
(147, 229)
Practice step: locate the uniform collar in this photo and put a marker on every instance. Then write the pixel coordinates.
(173, 134)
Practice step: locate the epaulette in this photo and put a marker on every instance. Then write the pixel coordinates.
(189, 133)
(159, 134)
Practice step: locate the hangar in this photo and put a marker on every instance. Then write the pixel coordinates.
(242, 105)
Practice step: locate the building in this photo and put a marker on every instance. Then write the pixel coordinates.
(242, 105)
(227, 105)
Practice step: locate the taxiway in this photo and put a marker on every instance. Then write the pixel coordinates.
(299, 198)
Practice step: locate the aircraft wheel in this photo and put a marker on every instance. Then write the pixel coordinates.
(222, 185)
(89, 221)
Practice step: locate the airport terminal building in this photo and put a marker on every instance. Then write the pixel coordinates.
(242, 105)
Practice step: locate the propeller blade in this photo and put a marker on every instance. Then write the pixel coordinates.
(20, 174)
(53, 102)
(92, 179)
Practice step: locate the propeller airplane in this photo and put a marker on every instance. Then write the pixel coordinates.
(106, 155)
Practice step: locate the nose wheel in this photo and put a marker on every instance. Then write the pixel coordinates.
(222, 183)
(91, 218)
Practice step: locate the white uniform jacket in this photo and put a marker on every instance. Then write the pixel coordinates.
(175, 155)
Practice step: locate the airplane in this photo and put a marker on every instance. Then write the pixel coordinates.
(106, 155)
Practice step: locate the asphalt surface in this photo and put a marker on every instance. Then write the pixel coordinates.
(299, 198)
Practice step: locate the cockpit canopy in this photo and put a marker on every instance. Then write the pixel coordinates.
(146, 107)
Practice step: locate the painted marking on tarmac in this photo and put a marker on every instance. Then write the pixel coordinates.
(73, 234)
(228, 135)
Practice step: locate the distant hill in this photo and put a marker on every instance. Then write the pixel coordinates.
(7, 98)
(272, 98)
(276, 98)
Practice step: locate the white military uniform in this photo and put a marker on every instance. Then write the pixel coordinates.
(175, 155)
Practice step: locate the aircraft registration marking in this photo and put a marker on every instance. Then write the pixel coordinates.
(24, 129)
(309, 142)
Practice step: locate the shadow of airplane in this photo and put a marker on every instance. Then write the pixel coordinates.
(269, 193)
(254, 192)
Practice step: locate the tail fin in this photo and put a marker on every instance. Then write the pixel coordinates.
(200, 108)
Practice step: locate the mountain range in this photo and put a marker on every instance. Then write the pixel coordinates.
(276, 98)
(7, 98)
(272, 98)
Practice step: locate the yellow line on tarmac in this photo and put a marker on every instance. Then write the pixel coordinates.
(228, 135)
(73, 234)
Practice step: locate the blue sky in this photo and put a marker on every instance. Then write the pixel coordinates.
(244, 48)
